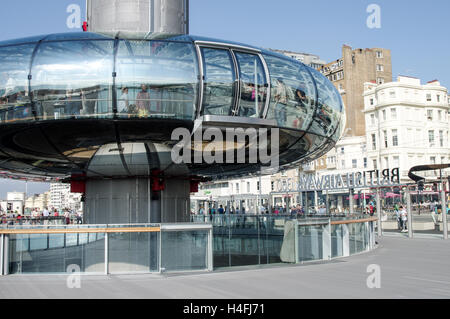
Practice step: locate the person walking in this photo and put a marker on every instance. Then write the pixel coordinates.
(404, 216)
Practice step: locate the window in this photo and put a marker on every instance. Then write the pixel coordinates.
(372, 119)
(374, 142)
(394, 138)
(379, 54)
(384, 115)
(237, 188)
(380, 80)
(365, 162)
(431, 138)
(396, 161)
(248, 187)
(438, 97)
(440, 115)
(374, 164)
(386, 162)
(343, 164)
(394, 114)
(380, 68)
(441, 138)
(371, 101)
(428, 97)
(392, 94)
(433, 159)
(354, 163)
(342, 150)
(272, 186)
(385, 139)
(257, 186)
(219, 81)
(430, 115)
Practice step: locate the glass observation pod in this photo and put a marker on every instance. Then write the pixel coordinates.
(64, 96)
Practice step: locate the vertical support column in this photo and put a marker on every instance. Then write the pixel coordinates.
(409, 210)
(2, 240)
(316, 201)
(6, 255)
(367, 236)
(306, 204)
(326, 241)
(379, 227)
(210, 249)
(296, 255)
(327, 203)
(350, 201)
(314, 243)
(106, 254)
(345, 240)
(339, 240)
(444, 213)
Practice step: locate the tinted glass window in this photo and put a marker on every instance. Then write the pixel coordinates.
(329, 106)
(14, 96)
(292, 101)
(156, 79)
(73, 79)
(253, 91)
(219, 81)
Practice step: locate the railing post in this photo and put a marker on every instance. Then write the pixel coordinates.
(345, 241)
(444, 214)
(326, 241)
(2, 239)
(410, 213)
(5, 255)
(379, 223)
(296, 255)
(210, 249)
(106, 253)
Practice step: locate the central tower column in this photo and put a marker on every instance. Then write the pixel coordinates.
(160, 16)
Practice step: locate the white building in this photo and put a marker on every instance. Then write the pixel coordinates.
(311, 60)
(238, 192)
(407, 124)
(15, 196)
(61, 197)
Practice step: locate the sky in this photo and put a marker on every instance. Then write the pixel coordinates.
(416, 32)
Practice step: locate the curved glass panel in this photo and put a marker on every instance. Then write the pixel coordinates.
(329, 107)
(73, 79)
(28, 40)
(14, 96)
(77, 36)
(219, 81)
(253, 85)
(292, 101)
(156, 79)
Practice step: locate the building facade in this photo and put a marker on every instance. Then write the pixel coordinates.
(311, 60)
(62, 198)
(407, 124)
(350, 72)
(37, 201)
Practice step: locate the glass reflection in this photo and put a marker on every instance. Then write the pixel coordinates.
(253, 85)
(329, 108)
(156, 79)
(14, 96)
(293, 93)
(219, 81)
(73, 79)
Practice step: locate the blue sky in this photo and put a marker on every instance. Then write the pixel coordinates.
(417, 32)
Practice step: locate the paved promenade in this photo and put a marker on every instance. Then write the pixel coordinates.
(416, 268)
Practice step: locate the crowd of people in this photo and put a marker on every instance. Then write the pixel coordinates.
(45, 216)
